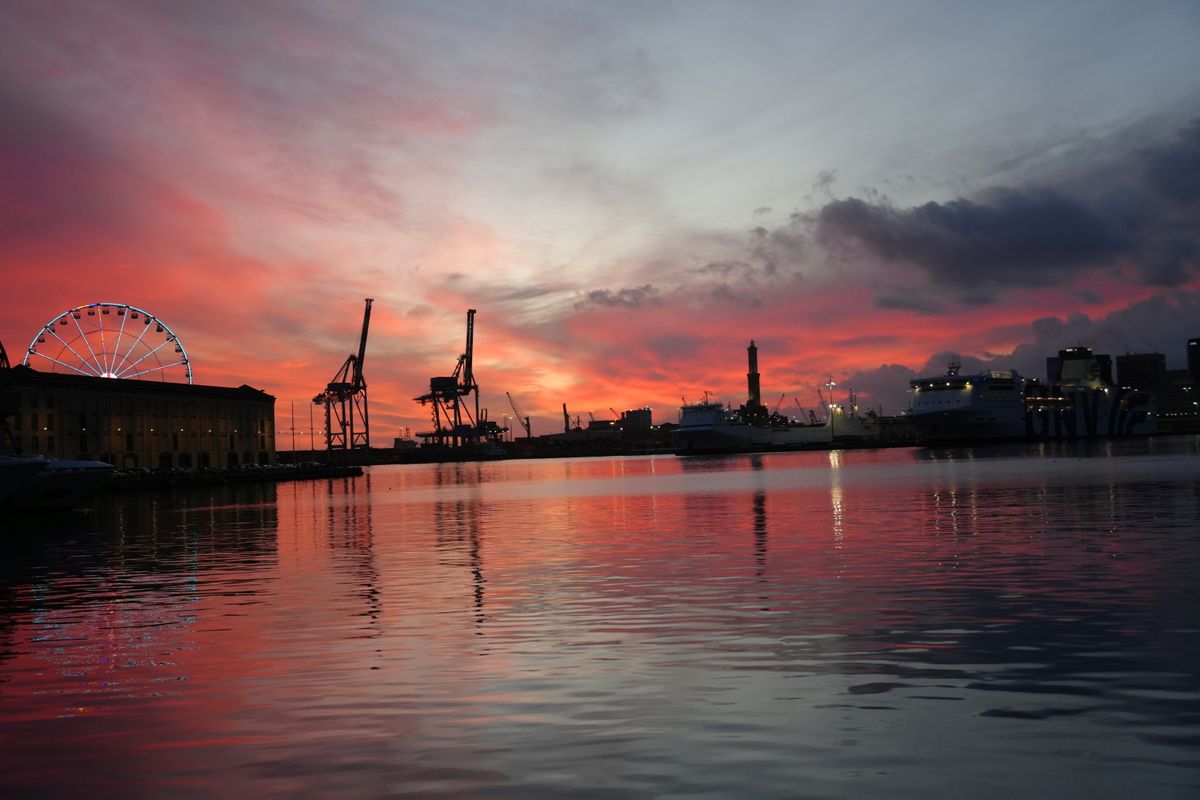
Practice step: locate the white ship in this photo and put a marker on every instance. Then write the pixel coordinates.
(711, 427)
(998, 405)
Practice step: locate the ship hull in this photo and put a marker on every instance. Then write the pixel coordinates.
(741, 437)
(1066, 415)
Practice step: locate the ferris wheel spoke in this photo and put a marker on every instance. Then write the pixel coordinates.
(83, 335)
(120, 334)
(159, 368)
(125, 359)
(98, 342)
(73, 351)
(104, 354)
(72, 367)
(131, 368)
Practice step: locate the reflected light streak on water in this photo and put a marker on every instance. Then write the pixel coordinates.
(987, 622)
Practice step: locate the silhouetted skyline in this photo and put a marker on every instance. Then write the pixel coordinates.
(627, 192)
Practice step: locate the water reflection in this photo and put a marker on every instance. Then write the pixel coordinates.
(854, 623)
(458, 542)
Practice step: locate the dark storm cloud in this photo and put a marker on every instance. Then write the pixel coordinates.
(629, 297)
(1174, 169)
(1141, 212)
(907, 298)
(1016, 237)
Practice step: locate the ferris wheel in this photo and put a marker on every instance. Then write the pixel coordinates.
(110, 340)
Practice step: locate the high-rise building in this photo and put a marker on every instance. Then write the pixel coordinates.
(1144, 371)
(1193, 357)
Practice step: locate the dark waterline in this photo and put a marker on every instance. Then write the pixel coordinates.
(992, 622)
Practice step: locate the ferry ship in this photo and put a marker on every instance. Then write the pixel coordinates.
(1003, 405)
(711, 427)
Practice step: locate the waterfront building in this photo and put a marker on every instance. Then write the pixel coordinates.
(136, 424)
(1145, 371)
(636, 419)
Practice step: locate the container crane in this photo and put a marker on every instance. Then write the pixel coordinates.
(521, 418)
(345, 399)
(454, 423)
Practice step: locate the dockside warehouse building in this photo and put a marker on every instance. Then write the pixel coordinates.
(137, 423)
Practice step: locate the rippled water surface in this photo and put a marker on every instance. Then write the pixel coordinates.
(988, 623)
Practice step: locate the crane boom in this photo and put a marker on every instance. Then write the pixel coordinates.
(521, 418)
(362, 347)
(469, 352)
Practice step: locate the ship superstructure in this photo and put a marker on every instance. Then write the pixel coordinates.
(999, 404)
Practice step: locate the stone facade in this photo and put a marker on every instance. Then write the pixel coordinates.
(136, 424)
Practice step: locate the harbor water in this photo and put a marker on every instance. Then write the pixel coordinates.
(1008, 621)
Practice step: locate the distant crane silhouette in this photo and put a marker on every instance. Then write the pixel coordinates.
(521, 418)
(453, 419)
(345, 399)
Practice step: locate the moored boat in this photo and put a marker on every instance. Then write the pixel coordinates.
(36, 482)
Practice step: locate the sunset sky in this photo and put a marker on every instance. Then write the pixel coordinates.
(626, 192)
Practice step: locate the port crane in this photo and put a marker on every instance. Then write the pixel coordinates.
(521, 418)
(345, 399)
(812, 417)
(454, 421)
